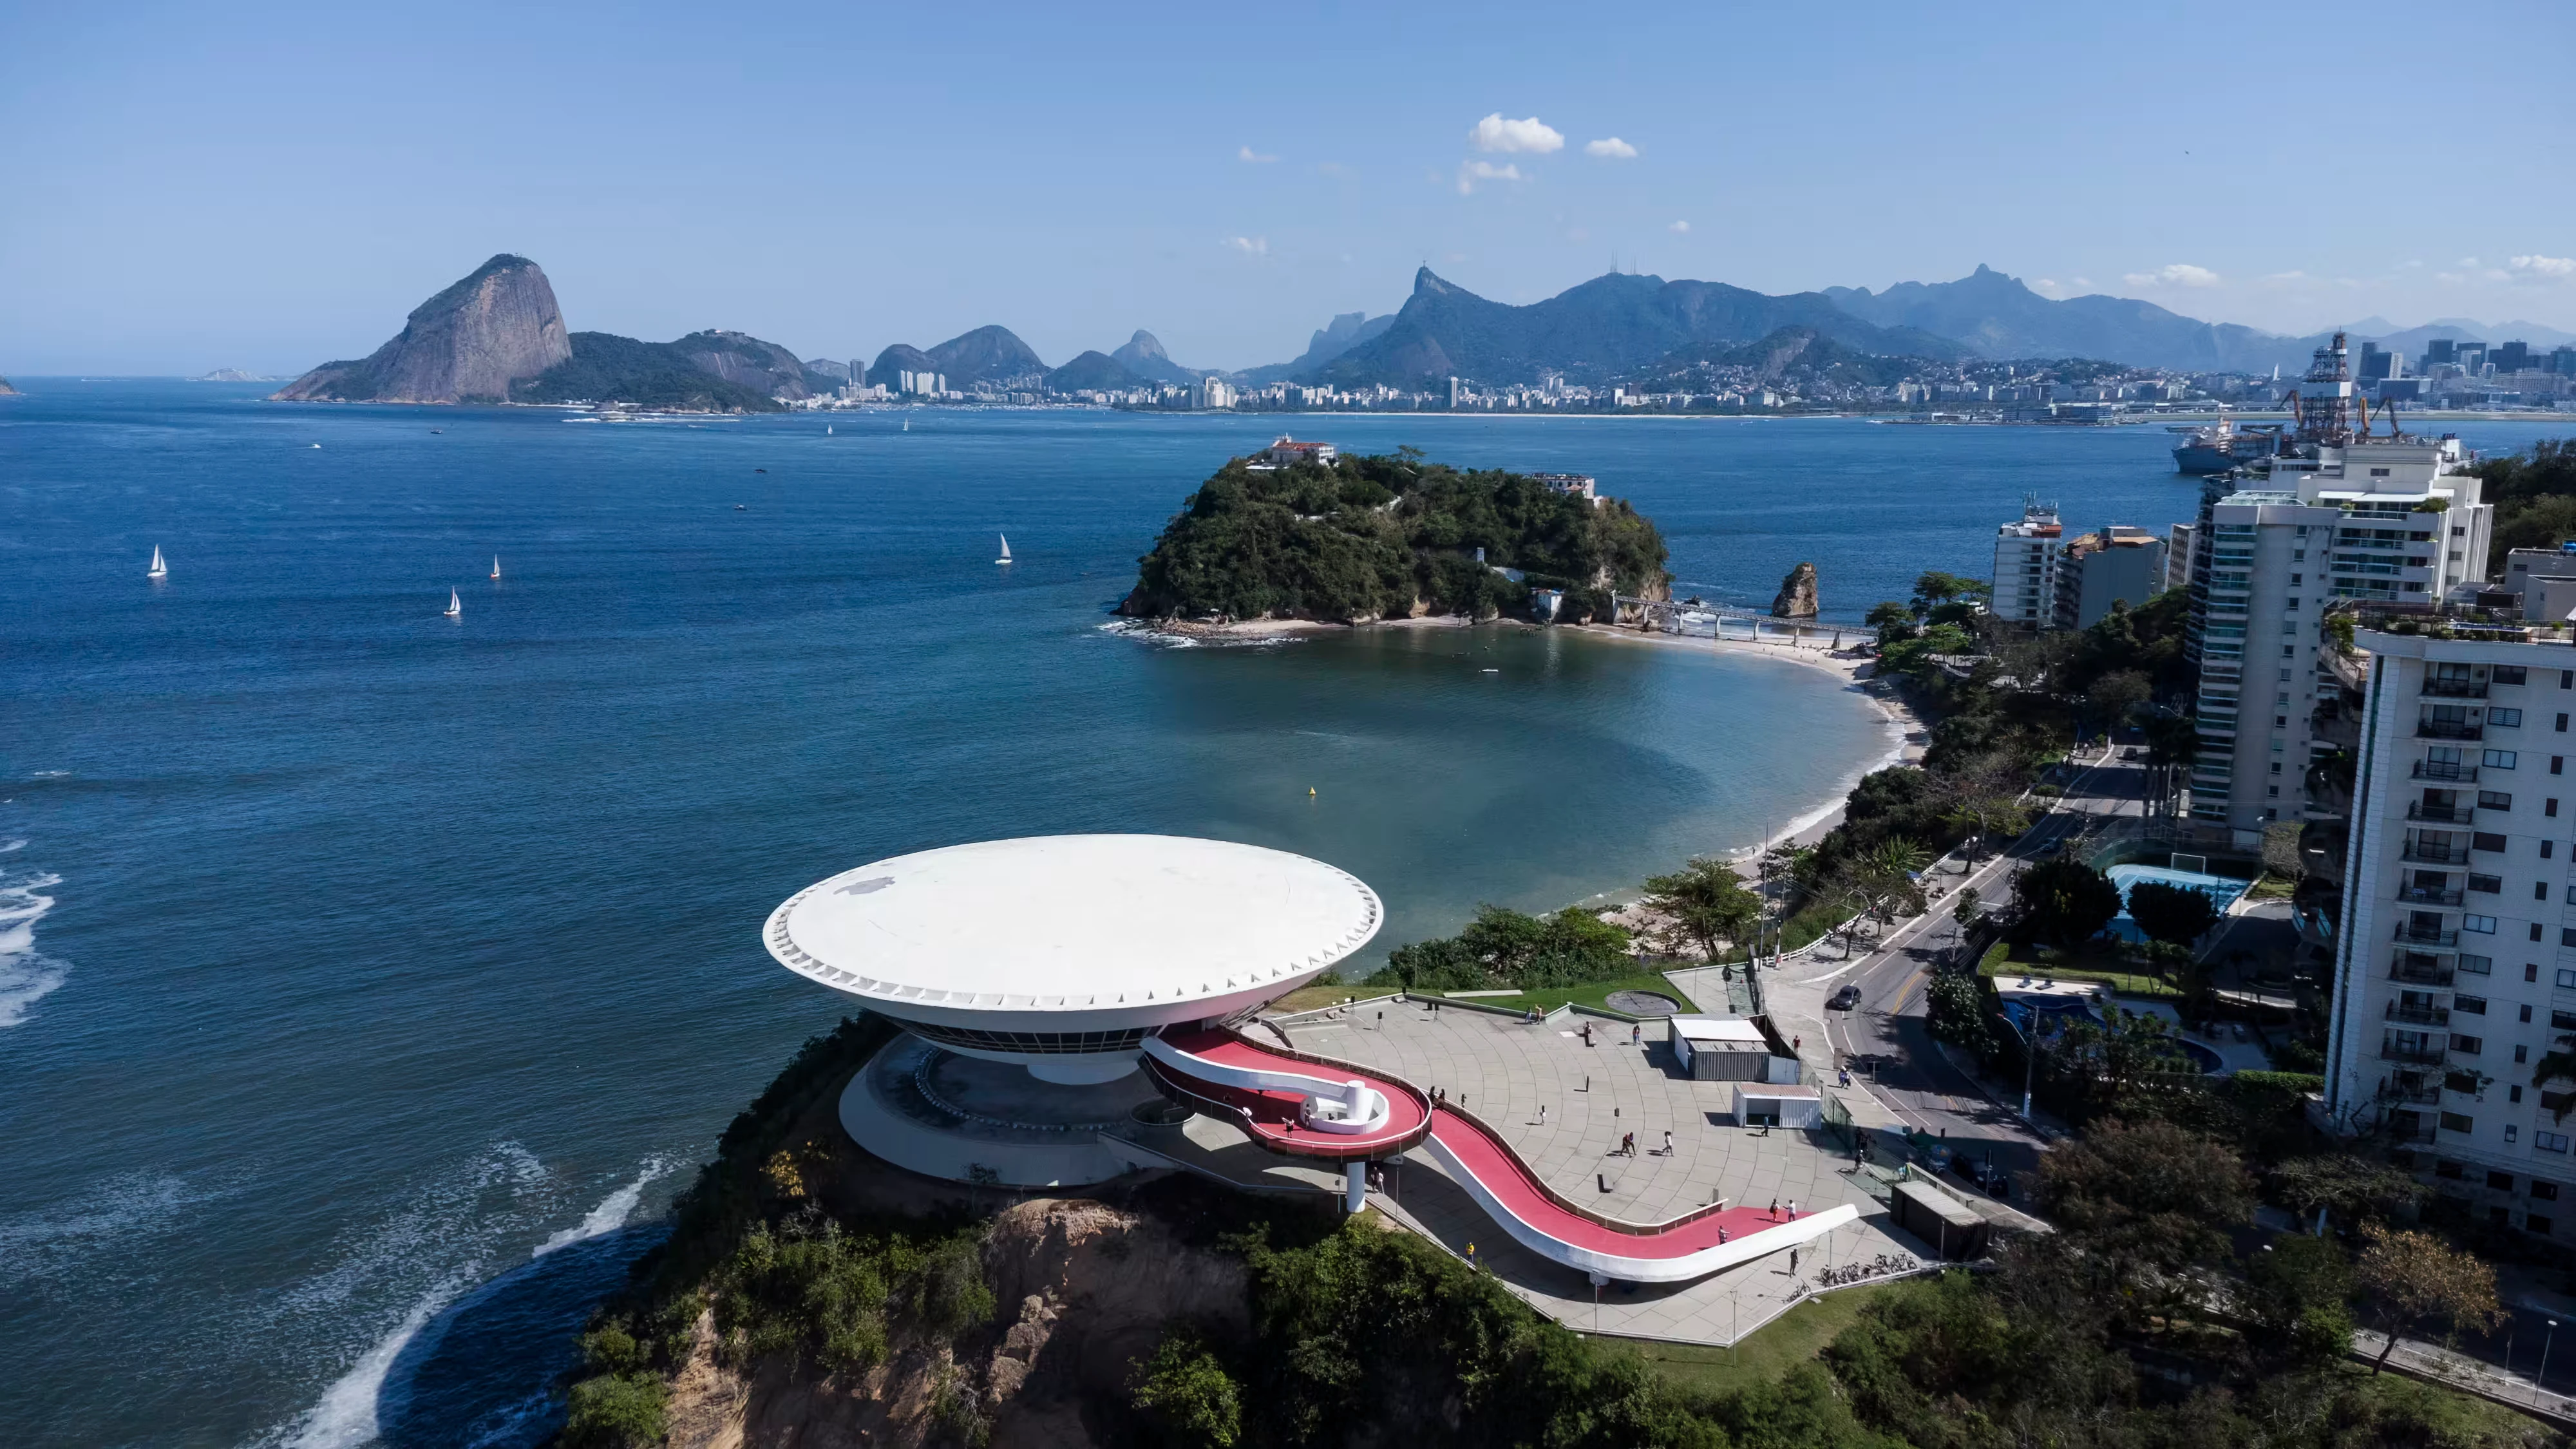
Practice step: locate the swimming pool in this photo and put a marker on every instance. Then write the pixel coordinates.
(2221, 889)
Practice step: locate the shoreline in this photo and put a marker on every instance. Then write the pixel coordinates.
(1897, 717)
(1907, 733)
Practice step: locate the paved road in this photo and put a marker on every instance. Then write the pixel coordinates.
(1887, 1032)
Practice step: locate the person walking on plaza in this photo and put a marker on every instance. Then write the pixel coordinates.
(1775, 1207)
(1668, 1142)
(1793, 1208)
(1636, 1033)
(1628, 1144)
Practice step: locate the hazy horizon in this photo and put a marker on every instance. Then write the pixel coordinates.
(272, 189)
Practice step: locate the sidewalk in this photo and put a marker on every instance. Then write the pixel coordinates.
(2418, 1359)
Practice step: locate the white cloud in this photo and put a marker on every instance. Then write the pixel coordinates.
(1250, 246)
(1679, 226)
(2551, 268)
(2175, 274)
(1471, 172)
(1255, 157)
(1610, 147)
(2046, 285)
(2084, 284)
(1496, 134)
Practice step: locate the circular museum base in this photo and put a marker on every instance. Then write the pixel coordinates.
(944, 1115)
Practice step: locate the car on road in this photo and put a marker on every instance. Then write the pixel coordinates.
(1982, 1174)
(1845, 999)
(2052, 847)
(2132, 753)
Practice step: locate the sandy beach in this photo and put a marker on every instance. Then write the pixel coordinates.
(1907, 734)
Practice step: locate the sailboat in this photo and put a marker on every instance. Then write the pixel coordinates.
(455, 605)
(159, 570)
(496, 566)
(827, 430)
(907, 425)
(1006, 550)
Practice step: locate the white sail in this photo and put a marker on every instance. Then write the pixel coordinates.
(455, 605)
(159, 569)
(496, 568)
(1006, 549)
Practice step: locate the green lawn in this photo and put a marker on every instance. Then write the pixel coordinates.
(1786, 1341)
(2092, 962)
(1316, 998)
(2271, 887)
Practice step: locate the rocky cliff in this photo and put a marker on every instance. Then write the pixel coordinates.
(1085, 1289)
(5, 389)
(1797, 598)
(469, 343)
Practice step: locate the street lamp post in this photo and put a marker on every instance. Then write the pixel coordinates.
(2543, 1375)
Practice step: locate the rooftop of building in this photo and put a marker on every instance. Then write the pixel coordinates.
(1070, 923)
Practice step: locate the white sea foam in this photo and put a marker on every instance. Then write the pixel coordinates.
(610, 1215)
(26, 976)
(345, 1417)
(109, 1217)
(433, 1257)
(1149, 633)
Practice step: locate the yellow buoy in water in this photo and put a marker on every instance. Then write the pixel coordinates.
(1310, 792)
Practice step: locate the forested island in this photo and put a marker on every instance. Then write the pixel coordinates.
(1358, 539)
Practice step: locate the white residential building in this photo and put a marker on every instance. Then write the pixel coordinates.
(1215, 392)
(2390, 521)
(2026, 553)
(2455, 971)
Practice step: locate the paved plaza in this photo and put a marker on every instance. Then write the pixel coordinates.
(1505, 1070)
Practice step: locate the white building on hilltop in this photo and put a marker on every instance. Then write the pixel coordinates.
(2025, 581)
(2456, 965)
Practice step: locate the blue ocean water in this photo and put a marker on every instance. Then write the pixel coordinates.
(368, 979)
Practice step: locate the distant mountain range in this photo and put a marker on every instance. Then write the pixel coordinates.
(497, 335)
(1601, 329)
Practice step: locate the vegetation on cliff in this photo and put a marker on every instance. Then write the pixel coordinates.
(1503, 947)
(2534, 496)
(1369, 537)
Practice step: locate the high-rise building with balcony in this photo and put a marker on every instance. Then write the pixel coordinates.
(2455, 969)
(2391, 521)
(2026, 554)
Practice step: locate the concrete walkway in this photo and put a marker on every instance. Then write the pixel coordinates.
(1504, 1071)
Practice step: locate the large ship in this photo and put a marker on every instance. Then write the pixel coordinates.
(2223, 446)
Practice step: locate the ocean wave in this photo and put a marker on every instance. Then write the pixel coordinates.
(26, 976)
(346, 1415)
(612, 1212)
(1148, 633)
(403, 1281)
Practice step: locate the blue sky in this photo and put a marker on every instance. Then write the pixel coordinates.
(197, 186)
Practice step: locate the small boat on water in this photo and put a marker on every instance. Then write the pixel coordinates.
(1006, 549)
(496, 565)
(455, 605)
(159, 570)
(827, 430)
(907, 425)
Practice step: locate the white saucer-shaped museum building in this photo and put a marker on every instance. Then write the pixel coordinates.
(1062, 953)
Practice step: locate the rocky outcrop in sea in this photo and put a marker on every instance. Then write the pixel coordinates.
(1797, 598)
(497, 326)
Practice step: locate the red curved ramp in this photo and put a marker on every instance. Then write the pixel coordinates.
(1265, 1091)
(1535, 1215)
